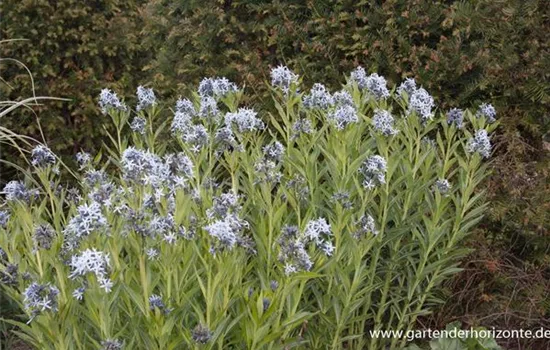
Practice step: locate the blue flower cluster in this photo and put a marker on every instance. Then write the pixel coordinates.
(488, 111)
(17, 191)
(366, 225)
(146, 98)
(109, 100)
(88, 219)
(267, 168)
(293, 244)
(283, 78)
(245, 119)
(112, 344)
(226, 227)
(43, 237)
(375, 84)
(421, 103)
(373, 171)
(38, 298)
(382, 122)
(455, 117)
(408, 87)
(4, 218)
(480, 143)
(442, 186)
(94, 262)
(138, 125)
(216, 87)
(155, 302)
(42, 156)
(201, 334)
(318, 97)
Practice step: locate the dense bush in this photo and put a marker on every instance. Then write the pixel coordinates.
(337, 214)
(463, 52)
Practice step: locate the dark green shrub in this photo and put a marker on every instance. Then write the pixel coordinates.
(73, 49)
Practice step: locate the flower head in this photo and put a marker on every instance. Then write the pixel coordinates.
(88, 219)
(181, 122)
(267, 171)
(227, 228)
(155, 302)
(143, 166)
(359, 76)
(146, 98)
(317, 231)
(283, 78)
(17, 191)
(421, 103)
(209, 108)
(293, 251)
(376, 85)
(4, 218)
(83, 159)
(373, 170)
(196, 136)
(78, 293)
(408, 87)
(343, 116)
(184, 105)
(152, 253)
(365, 226)
(225, 232)
(225, 137)
(90, 261)
(455, 116)
(138, 125)
(216, 87)
(442, 186)
(201, 334)
(343, 198)
(245, 119)
(43, 237)
(266, 303)
(42, 157)
(112, 344)
(274, 151)
(109, 100)
(180, 164)
(224, 204)
(105, 283)
(488, 111)
(38, 298)
(9, 276)
(343, 98)
(383, 122)
(318, 97)
(480, 143)
(302, 126)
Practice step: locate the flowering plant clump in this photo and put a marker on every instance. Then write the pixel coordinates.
(214, 225)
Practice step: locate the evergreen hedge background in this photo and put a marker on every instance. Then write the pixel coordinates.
(73, 48)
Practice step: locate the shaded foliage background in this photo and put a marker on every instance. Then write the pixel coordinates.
(73, 49)
(460, 51)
